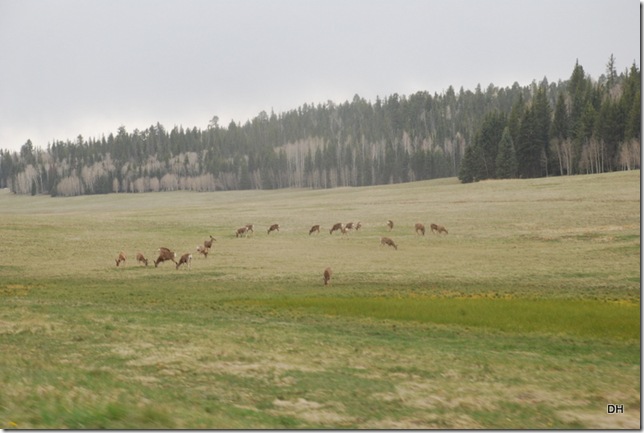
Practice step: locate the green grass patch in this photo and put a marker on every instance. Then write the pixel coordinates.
(581, 318)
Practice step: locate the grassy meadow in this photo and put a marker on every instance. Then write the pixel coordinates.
(526, 315)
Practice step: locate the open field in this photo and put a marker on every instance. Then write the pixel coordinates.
(526, 315)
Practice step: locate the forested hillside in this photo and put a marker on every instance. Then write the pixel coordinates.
(579, 125)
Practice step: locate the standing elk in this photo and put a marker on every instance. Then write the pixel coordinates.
(250, 228)
(140, 258)
(358, 225)
(349, 226)
(187, 259)
(164, 255)
(120, 258)
(208, 243)
(203, 250)
(241, 232)
(315, 228)
(420, 228)
(387, 241)
(390, 224)
(327, 275)
(336, 226)
(438, 229)
(274, 227)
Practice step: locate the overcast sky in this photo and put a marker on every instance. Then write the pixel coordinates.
(70, 67)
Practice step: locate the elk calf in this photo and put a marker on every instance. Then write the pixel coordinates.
(387, 241)
(203, 250)
(315, 228)
(438, 229)
(420, 228)
(140, 258)
(327, 275)
(186, 258)
(274, 227)
(165, 254)
(336, 226)
(120, 258)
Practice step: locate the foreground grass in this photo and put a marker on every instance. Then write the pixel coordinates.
(525, 316)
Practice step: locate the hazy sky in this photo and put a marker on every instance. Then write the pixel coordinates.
(70, 67)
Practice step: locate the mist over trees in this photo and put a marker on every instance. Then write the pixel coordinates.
(575, 126)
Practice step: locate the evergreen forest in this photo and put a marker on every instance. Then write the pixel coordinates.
(575, 126)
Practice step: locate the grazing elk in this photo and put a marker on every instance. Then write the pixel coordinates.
(241, 232)
(186, 258)
(140, 258)
(120, 258)
(274, 227)
(358, 225)
(390, 224)
(208, 243)
(203, 250)
(164, 255)
(388, 241)
(420, 228)
(327, 275)
(437, 228)
(336, 226)
(315, 228)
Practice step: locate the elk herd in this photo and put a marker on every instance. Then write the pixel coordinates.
(166, 254)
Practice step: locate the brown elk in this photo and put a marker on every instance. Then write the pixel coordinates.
(186, 258)
(208, 243)
(349, 226)
(203, 250)
(164, 255)
(327, 275)
(241, 232)
(250, 228)
(420, 228)
(120, 258)
(390, 224)
(438, 229)
(388, 241)
(358, 225)
(140, 258)
(336, 226)
(315, 228)
(274, 227)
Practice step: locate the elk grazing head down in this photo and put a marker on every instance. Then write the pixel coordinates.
(327, 275)
(336, 226)
(185, 259)
(274, 227)
(420, 229)
(388, 241)
(140, 258)
(120, 259)
(315, 228)
(437, 228)
(164, 255)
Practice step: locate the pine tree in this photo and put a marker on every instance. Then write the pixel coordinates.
(506, 161)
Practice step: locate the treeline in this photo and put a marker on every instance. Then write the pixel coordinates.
(586, 128)
(575, 126)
